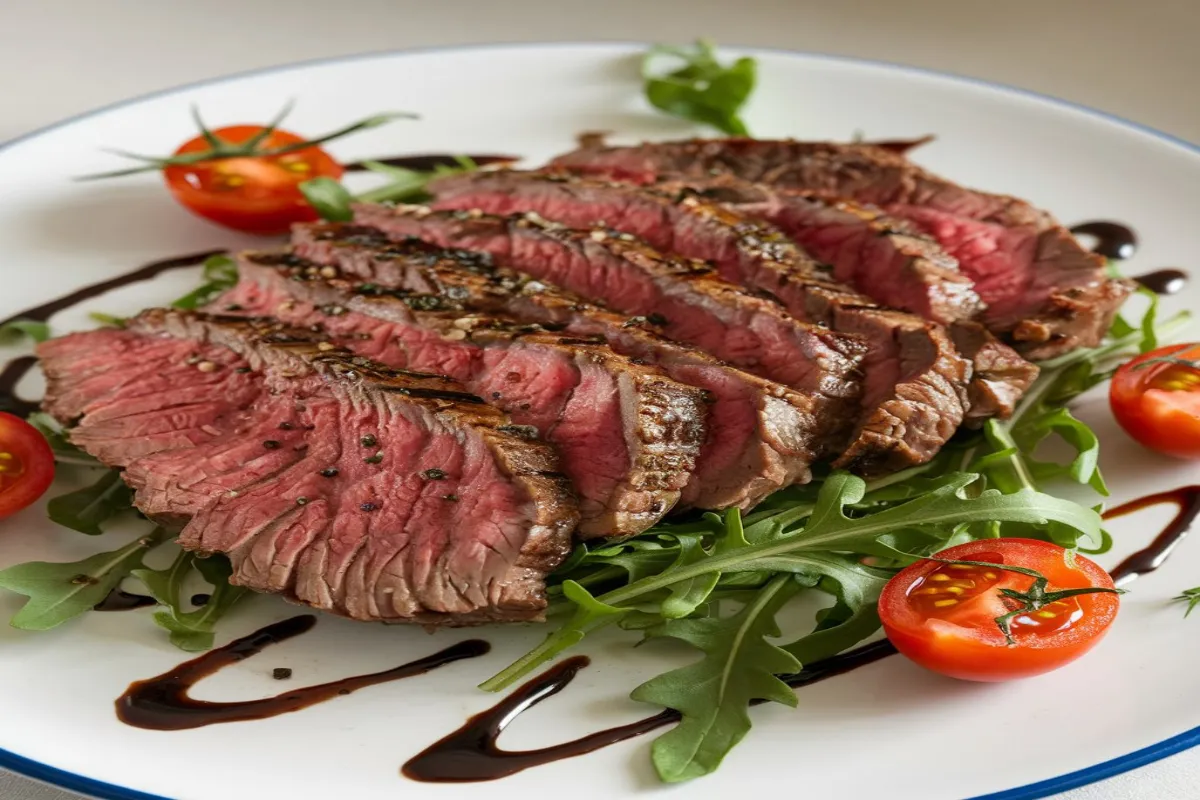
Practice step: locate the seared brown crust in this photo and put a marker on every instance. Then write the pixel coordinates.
(1079, 303)
(530, 463)
(780, 451)
(664, 418)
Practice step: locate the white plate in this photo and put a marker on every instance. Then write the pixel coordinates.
(860, 735)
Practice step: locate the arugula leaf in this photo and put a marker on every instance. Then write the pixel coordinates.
(800, 541)
(56, 437)
(13, 332)
(330, 199)
(108, 320)
(1191, 597)
(220, 275)
(409, 185)
(702, 89)
(191, 630)
(84, 509)
(713, 695)
(60, 592)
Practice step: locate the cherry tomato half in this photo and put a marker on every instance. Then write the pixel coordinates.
(943, 616)
(1156, 398)
(256, 194)
(26, 464)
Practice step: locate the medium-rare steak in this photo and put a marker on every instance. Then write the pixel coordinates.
(714, 220)
(909, 360)
(687, 298)
(1042, 289)
(892, 265)
(394, 495)
(761, 436)
(626, 434)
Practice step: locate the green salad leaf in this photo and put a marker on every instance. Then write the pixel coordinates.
(713, 695)
(334, 202)
(1191, 597)
(697, 87)
(220, 275)
(60, 592)
(18, 329)
(191, 630)
(329, 198)
(85, 509)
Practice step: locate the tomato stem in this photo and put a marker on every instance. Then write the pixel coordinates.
(1032, 599)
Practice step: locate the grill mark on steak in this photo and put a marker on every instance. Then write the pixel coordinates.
(289, 528)
(717, 219)
(628, 434)
(695, 305)
(1044, 291)
(761, 435)
(881, 257)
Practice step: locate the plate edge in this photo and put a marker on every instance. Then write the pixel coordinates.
(105, 791)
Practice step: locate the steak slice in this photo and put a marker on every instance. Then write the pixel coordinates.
(627, 435)
(1043, 289)
(909, 360)
(761, 436)
(714, 220)
(886, 261)
(398, 496)
(684, 297)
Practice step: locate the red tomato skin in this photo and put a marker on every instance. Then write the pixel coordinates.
(269, 201)
(1149, 415)
(22, 439)
(983, 655)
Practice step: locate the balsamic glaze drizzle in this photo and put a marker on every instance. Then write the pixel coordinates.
(1163, 281)
(1113, 240)
(471, 753)
(118, 600)
(1154, 555)
(13, 372)
(162, 703)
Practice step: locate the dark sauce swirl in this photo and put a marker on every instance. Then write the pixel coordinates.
(119, 600)
(1154, 555)
(1112, 239)
(1164, 281)
(163, 703)
(472, 753)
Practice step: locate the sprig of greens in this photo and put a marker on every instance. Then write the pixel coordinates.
(191, 630)
(60, 592)
(85, 509)
(697, 87)
(334, 202)
(18, 330)
(219, 148)
(220, 275)
(1191, 597)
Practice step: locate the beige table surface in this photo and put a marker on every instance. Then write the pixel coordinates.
(1139, 60)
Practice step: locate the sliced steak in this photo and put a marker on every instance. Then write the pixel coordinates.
(1042, 289)
(685, 297)
(908, 361)
(761, 436)
(889, 263)
(627, 435)
(715, 220)
(397, 495)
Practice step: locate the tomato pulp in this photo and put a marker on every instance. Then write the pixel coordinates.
(26, 464)
(1156, 399)
(943, 616)
(253, 193)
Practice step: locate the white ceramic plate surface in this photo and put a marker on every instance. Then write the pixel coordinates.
(888, 730)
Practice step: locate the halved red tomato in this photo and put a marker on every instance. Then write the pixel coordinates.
(1156, 399)
(255, 193)
(945, 616)
(26, 464)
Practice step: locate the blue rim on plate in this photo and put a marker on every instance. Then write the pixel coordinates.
(1107, 769)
